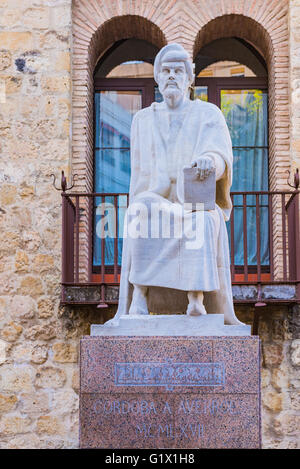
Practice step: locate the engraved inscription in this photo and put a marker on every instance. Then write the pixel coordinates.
(170, 431)
(142, 407)
(169, 374)
(182, 419)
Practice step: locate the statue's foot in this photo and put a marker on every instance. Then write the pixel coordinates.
(195, 306)
(195, 310)
(139, 301)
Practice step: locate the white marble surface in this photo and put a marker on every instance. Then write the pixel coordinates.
(165, 138)
(170, 325)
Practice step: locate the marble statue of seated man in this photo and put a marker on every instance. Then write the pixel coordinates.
(162, 274)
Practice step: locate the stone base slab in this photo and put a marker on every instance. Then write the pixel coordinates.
(170, 325)
(170, 392)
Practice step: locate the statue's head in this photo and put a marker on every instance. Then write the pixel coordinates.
(173, 71)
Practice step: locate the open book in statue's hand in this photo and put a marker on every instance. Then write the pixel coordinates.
(199, 191)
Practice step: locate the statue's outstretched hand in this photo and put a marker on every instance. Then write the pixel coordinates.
(205, 165)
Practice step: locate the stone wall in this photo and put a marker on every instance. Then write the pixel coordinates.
(38, 355)
(279, 330)
(38, 339)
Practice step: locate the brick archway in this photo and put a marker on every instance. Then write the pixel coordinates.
(92, 37)
(98, 24)
(94, 32)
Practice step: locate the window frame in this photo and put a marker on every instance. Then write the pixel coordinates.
(216, 84)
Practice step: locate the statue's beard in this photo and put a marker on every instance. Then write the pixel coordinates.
(172, 95)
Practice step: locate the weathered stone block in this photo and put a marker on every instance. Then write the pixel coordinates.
(10, 242)
(5, 59)
(295, 400)
(38, 18)
(56, 84)
(48, 424)
(3, 347)
(22, 307)
(39, 354)
(65, 402)
(7, 402)
(21, 262)
(12, 84)
(31, 286)
(288, 424)
(8, 193)
(295, 352)
(273, 354)
(279, 378)
(50, 377)
(63, 62)
(10, 18)
(34, 403)
(55, 40)
(13, 425)
(41, 332)
(13, 40)
(273, 401)
(43, 262)
(45, 308)
(64, 353)
(16, 379)
(21, 353)
(11, 331)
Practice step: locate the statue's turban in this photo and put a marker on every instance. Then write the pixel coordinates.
(173, 53)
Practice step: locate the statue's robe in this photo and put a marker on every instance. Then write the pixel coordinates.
(166, 266)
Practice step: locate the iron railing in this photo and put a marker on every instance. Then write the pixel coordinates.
(263, 236)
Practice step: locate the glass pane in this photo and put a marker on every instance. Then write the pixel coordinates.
(114, 167)
(114, 111)
(245, 112)
(200, 92)
(111, 227)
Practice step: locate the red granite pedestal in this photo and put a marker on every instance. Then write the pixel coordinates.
(170, 392)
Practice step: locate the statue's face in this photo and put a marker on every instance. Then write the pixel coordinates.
(173, 79)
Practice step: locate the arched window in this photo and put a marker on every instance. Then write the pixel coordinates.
(229, 73)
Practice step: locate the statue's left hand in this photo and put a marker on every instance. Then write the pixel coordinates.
(205, 165)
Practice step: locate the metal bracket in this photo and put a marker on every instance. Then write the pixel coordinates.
(63, 182)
